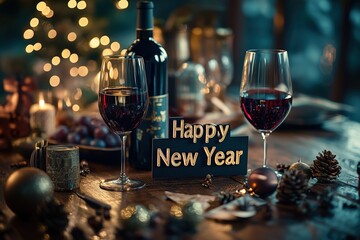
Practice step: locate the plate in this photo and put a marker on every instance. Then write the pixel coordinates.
(109, 156)
(310, 111)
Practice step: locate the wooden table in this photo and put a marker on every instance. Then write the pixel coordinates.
(286, 145)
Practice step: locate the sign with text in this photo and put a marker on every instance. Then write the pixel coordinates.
(194, 150)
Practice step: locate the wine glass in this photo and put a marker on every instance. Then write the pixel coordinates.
(266, 90)
(123, 101)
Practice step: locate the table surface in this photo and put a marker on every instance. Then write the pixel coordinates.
(286, 145)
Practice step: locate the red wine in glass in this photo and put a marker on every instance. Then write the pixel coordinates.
(123, 101)
(122, 108)
(266, 90)
(265, 109)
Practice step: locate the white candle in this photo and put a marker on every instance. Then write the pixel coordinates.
(42, 117)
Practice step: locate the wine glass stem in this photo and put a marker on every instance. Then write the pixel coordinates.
(123, 176)
(265, 136)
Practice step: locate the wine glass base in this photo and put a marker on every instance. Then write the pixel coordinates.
(119, 185)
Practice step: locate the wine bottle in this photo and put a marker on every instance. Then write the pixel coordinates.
(155, 124)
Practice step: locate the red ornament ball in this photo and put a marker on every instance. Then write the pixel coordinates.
(263, 181)
(27, 190)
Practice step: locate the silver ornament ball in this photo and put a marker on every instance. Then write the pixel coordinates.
(27, 190)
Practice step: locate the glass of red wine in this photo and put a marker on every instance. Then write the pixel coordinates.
(266, 90)
(123, 102)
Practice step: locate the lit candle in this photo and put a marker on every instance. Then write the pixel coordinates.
(42, 117)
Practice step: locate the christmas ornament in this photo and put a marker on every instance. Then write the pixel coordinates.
(302, 167)
(193, 212)
(27, 190)
(226, 197)
(292, 187)
(282, 167)
(135, 217)
(263, 181)
(207, 182)
(325, 168)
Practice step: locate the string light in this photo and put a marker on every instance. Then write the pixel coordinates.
(28, 34)
(94, 42)
(37, 46)
(115, 46)
(29, 48)
(54, 81)
(46, 11)
(72, 36)
(104, 40)
(75, 108)
(41, 6)
(122, 4)
(107, 51)
(83, 22)
(73, 71)
(52, 33)
(74, 58)
(66, 60)
(55, 60)
(81, 5)
(34, 22)
(65, 53)
(83, 71)
(72, 4)
(47, 67)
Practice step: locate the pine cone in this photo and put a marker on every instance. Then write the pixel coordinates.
(292, 187)
(226, 197)
(325, 201)
(325, 168)
(54, 216)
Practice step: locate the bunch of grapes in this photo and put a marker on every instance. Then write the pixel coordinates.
(88, 131)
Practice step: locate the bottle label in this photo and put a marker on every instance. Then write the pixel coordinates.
(156, 121)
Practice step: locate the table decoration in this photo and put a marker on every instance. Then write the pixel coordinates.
(135, 217)
(193, 150)
(42, 117)
(263, 181)
(54, 217)
(292, 187)
(63, 166)
(27, 190)
(302, 167)
(182, 199)
(242, 207)
(325, 168)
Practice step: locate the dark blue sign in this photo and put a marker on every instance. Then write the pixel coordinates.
(194, 150)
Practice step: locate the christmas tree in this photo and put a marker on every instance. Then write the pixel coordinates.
(68, 41)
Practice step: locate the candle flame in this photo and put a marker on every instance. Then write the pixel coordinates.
(41, 103)
(41, 100)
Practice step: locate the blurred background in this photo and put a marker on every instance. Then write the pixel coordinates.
(56, 46)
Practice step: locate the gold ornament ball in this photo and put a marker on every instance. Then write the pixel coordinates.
(301, 167)
(27, 190)
(135, 217)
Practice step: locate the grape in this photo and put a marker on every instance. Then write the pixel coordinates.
(111, 140)
(101, 132)
(98, 143)
(74, 138)
(82, 130)
(60, 134)
(84, 120)
(85, 141)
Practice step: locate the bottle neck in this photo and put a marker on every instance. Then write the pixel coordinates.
(144, 33)
(145, 20)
